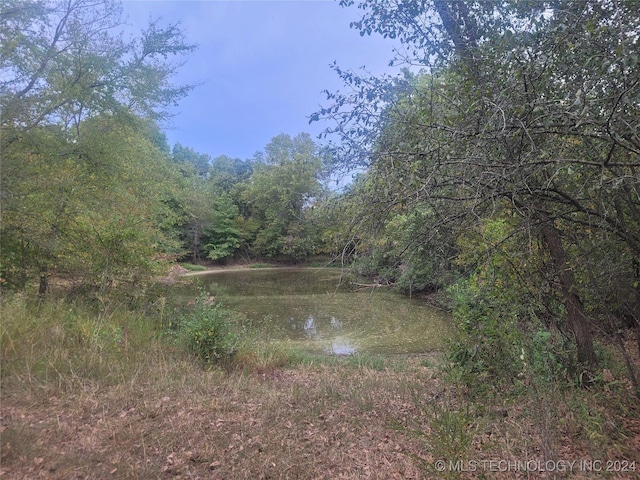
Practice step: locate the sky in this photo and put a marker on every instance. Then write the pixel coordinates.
(262, 66)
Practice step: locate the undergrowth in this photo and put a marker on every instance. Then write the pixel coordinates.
(193, 268)
(205, 332)
(59, 344)
(69, 354)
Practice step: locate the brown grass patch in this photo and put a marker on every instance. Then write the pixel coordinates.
(310, 422)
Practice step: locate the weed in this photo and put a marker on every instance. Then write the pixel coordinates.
(428, 362)
(364, 360)
(256, 356)
(205, 332)
(57, 345)
(105, 396)
(451, 427)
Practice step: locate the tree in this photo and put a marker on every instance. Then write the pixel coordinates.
(223, 236)
(79, 142)
(284, 182)
(530, 109)
(93, 210)
(226, 172)
(190, 159)
(194, 203)
(61, 63)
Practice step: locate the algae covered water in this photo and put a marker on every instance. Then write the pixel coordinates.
(319, 312)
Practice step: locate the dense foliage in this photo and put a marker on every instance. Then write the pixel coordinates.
(92, 194)
(84, 178)
(510, 162)
(497, 177)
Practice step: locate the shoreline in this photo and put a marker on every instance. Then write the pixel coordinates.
(233, 269)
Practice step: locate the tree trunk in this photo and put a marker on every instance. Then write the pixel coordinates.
(461, 29)
(636, 310)
(195, 245)
(44, 282)
(576, 318)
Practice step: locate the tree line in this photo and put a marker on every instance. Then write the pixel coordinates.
(91, 190)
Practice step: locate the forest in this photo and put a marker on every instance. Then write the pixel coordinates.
(498, 177)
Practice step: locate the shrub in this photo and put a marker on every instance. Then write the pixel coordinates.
(489, 343)
(206, 332)
(502, 340)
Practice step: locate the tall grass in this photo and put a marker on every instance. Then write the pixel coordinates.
(65, 366)
(54, 345)
(51, 346)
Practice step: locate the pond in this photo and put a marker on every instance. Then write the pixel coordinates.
(315, 310)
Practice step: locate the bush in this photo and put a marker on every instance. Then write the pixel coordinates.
(206, 332)
(489, 344)
(502, 339)
(421, 275)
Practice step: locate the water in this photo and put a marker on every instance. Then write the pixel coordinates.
(316, 311)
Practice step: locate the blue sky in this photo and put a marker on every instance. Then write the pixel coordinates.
(263, 66)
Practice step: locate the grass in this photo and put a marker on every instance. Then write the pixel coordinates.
(261, 265)
(193, 268)
(87, 396)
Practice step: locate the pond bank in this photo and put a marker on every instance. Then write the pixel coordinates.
(212, 271)
(387, 420)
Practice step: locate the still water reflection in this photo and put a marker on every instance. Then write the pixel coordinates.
(318, 312)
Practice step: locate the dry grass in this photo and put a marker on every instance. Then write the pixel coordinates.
(131, 407)
(310, 422)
